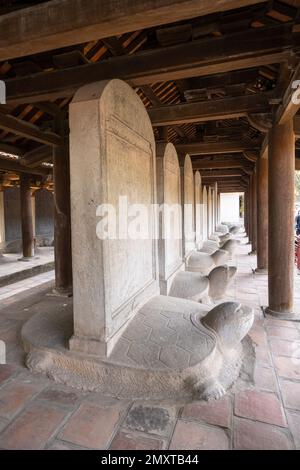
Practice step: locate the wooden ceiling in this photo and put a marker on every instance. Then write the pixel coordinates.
(210, 84)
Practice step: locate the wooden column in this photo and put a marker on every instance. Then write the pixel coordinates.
(246, 211)
(262, 214)
(26, 217)
(248, 206)
(62, 220)
(254, 212)
(281, 220)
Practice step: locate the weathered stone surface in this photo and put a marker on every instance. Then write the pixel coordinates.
(219, 279)
(188, 202)
(198, 210)
(170, 217)
(110, 127)
(230, 246)
(151, 419)
(166, 351)
(205, 262)
(189, 285)
(128, 341)
(222, 228)
(205, 219)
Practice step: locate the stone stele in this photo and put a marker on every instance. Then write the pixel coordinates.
(126, 340)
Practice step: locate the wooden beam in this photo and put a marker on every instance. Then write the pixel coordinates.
(15, 166)
(201, 164)
(233, 189)
(28, 130)
(37, 156)
(11, 149)
(61, 23)
(211, 110)
(291, 99)
(223, 173)
(297, 126)
(155, 101)
(198, 58)
(204, 148)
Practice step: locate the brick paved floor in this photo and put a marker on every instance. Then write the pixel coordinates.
(36, 413)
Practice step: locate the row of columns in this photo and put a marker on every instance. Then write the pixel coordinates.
(62, 219)
(269, 218)
(269, 214)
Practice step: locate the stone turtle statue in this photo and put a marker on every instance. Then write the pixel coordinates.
(205, 262)
(195, 286)
(223, 328)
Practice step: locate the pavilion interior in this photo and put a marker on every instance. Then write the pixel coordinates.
(219, 81)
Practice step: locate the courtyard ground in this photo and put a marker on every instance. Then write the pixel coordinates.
(36, 413)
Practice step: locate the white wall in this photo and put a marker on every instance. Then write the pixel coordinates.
(230, 207)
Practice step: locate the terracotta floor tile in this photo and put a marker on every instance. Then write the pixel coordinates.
(260, 406)
(265, 378)
(290, 394)
(251, 435)
(14, 395)
(287, 367)
(91, 426)
(125, 440)
(195, 436)
(294, 424)
(32, 428)
(212, 412)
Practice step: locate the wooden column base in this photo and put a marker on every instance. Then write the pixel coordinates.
(260, 271)
(291, 316)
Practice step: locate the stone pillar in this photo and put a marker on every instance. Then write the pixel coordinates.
(26, 217)
(254, 211)
(62, 220)
(215, 205)
(281, 220)
(262, 214)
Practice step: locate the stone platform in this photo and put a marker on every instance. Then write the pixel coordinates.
(161, 354)
(13, 270)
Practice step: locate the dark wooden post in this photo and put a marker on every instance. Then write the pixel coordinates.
(262, 214)
(281, 220)
(250, 209)
(246, 212)
(26, 217)
(254, 212)
(62, 219)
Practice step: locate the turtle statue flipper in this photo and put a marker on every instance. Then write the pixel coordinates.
(212, 389)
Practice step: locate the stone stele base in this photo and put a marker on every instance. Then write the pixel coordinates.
(165, 352)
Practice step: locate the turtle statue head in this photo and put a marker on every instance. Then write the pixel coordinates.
(231, 321)
(220, 257)
(219, 279)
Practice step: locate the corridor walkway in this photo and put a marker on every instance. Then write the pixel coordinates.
(36, 413)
